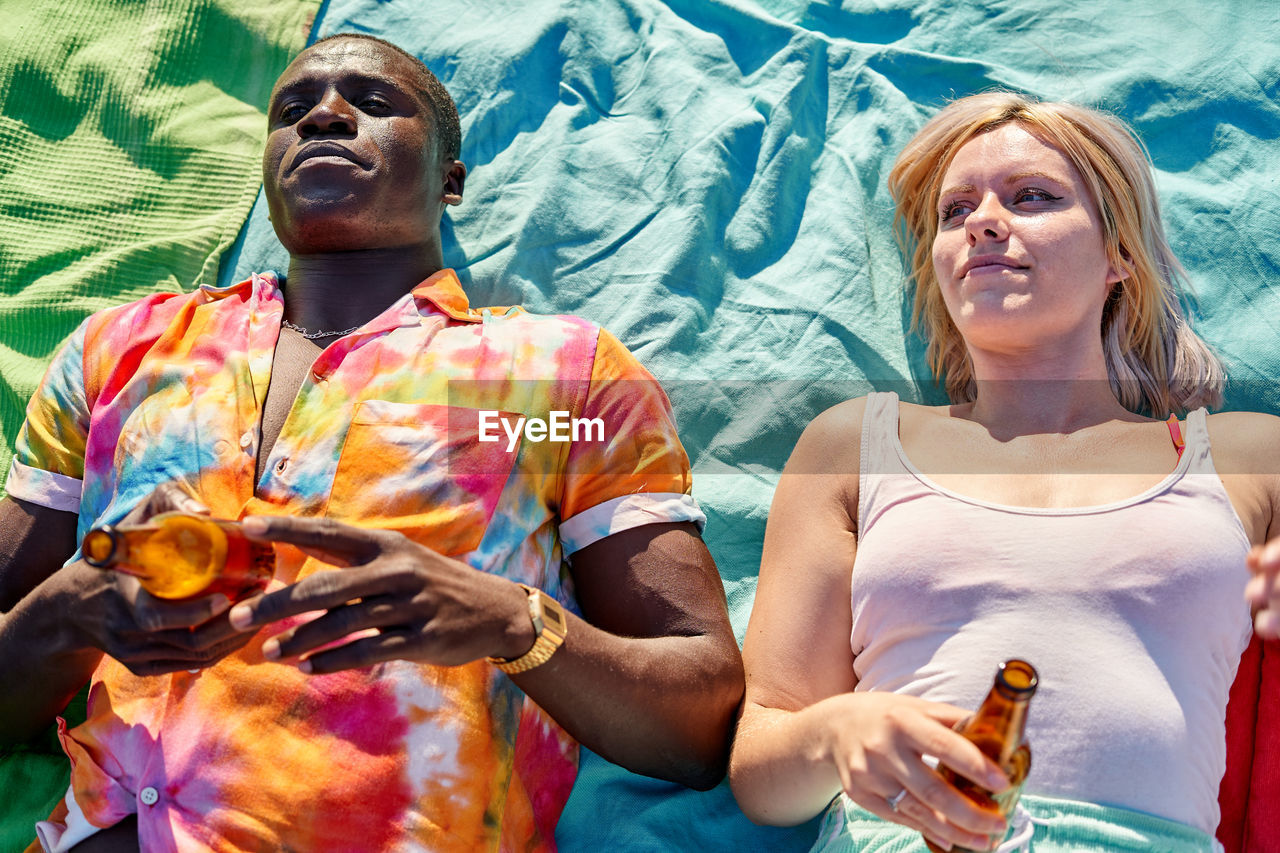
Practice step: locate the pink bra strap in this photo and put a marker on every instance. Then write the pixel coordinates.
(1175, 433)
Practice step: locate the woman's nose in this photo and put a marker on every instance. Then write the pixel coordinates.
(987, 221)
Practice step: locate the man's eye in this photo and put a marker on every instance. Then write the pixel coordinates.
(292, 112)
(375, 105)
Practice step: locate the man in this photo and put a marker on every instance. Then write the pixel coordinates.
(371, 712)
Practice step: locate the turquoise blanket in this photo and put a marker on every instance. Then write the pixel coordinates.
(706, 179)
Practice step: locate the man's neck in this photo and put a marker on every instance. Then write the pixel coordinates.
(339, 290)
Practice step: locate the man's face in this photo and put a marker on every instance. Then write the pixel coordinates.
(351, 160)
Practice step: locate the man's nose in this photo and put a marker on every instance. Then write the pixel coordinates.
(331, 115)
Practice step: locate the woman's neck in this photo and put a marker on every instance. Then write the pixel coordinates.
(1051, 389)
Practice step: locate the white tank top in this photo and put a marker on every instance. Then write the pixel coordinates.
(1132, 612)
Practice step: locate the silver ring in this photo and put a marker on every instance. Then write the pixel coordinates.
(896, 799)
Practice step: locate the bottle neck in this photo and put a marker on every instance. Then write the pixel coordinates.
(1003, 714)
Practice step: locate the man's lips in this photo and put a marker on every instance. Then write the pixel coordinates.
(325, 149)
(991, 263)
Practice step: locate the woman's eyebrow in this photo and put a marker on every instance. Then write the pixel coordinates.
(1022, 176)
(958, 189)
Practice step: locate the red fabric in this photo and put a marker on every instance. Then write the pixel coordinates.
(1250, 792)
(1175, 433)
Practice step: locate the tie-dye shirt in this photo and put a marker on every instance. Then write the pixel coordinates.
(399, 425)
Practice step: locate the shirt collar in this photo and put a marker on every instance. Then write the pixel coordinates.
(444, 291)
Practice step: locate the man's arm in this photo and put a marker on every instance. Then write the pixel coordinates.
(652, 685)
(40, 670)
(56, 621)
(653, 682)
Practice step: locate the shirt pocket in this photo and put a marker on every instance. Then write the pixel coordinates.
(157, 441)
(422, 470)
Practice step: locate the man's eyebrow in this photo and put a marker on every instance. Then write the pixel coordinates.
(356, 78)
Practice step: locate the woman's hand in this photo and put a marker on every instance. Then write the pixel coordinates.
(400, 599)
(110, 610)
(1263, 591)
(876, 742)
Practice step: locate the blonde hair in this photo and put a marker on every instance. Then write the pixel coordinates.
(1154, 360)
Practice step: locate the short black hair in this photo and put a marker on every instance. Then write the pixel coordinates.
(443, 110)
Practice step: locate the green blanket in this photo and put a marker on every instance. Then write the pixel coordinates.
(129, 142)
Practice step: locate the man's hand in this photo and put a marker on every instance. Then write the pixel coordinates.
(151, 636)
(393, 599)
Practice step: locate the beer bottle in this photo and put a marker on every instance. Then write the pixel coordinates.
(998, 728)
(178, 555)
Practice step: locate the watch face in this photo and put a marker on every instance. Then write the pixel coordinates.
(554, 619)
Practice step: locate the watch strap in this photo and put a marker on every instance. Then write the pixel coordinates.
(550, 628)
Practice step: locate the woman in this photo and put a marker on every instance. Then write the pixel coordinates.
(1041, 515)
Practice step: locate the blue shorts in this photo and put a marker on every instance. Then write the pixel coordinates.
(1043, 825)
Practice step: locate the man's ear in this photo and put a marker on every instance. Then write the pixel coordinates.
(455, 176)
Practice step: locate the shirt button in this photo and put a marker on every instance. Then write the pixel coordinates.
(281, 466)
(149, 796)
(246, 440)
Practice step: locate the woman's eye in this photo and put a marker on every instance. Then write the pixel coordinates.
(950, 211)
(1033, 194)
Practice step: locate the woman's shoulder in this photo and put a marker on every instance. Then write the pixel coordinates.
(833, 437)
(1245, 442)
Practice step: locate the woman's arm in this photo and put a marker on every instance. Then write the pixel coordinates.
(1246, 454)
(803, 735)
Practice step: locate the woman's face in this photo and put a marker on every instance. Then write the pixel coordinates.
(1019, 253)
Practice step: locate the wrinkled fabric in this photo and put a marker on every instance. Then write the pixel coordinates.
(386, 433)
(130, 141)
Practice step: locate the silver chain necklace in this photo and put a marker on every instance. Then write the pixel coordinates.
(311, 336)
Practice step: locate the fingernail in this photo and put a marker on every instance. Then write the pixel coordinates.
(945, 845)
(254, 525)
(271, 649)
(1267, 622)
(241, 616)
(218, 603)
(304, 665)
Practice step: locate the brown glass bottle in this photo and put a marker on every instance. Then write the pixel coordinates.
(998, 728)
(177, 555)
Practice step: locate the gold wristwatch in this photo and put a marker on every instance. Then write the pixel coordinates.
(549, 627)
